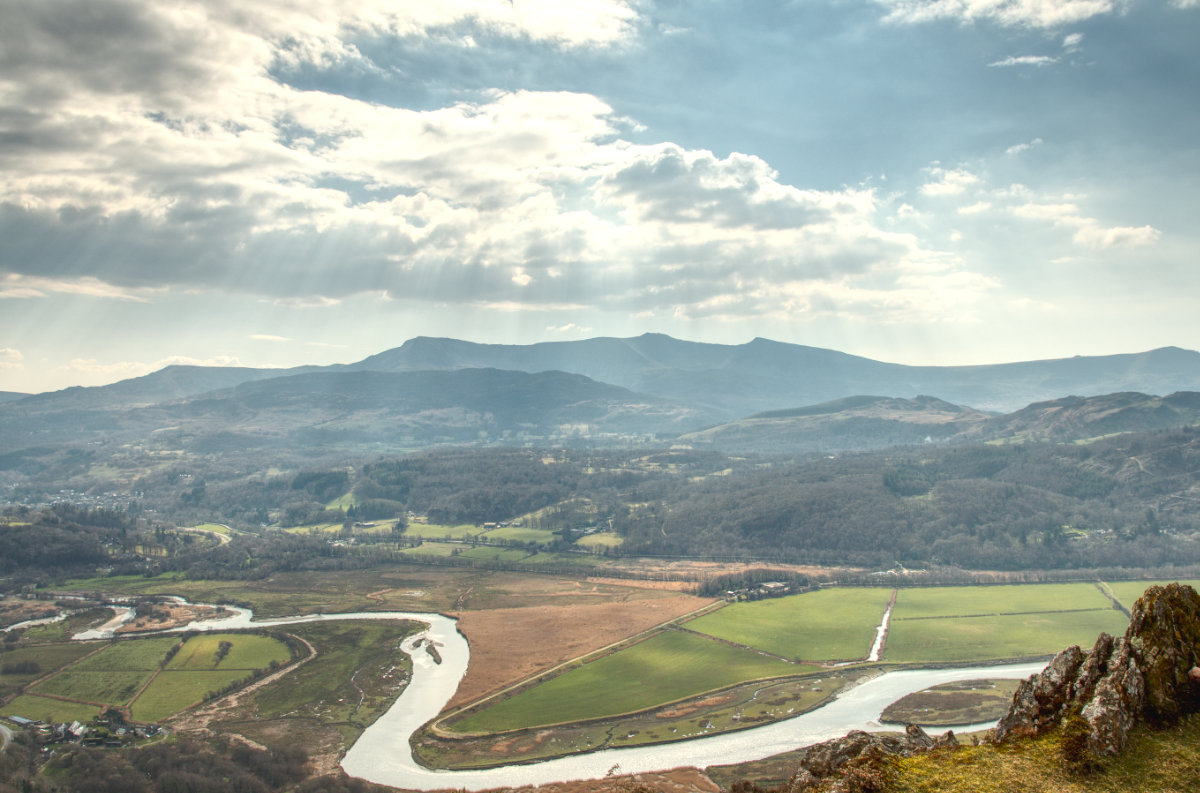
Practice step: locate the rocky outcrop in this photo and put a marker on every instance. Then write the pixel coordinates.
(1143, 676)
(844, 764)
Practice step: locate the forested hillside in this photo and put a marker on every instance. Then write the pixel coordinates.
(1127, 500)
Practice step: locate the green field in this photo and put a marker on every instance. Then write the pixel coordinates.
(996, 637)
(116, 674)
(1129, 591)
(172, 691)
(432, 549)
(48, 658)
(130, 654)
(965, 601)
(494, 554)
(105, 687)
(520, 534)
(434, 531)
(216, 528)
(602, 539)
(249, 651)
(665, 668)
(830, 624)
(49, 710)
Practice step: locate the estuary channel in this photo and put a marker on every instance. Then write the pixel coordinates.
(382, 753)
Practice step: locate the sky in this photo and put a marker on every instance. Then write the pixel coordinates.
(270, 183)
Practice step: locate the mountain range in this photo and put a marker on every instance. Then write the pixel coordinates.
(761, 395)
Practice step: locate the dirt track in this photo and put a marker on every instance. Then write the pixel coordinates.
(508, 645)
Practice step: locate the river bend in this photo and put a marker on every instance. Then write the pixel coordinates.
(382, 753)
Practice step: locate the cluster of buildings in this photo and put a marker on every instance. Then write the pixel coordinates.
(98, 732)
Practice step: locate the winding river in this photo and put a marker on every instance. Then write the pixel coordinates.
(382, 753)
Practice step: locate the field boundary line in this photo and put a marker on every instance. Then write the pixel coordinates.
(1106, 590)
(739, 646)
(998, 614)
(72, 700)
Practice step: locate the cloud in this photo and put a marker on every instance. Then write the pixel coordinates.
(1072, 42)
(1009, 13)
(1095, 236)
(1025, 60)
(268, 337)
(19, 286)
(315, 301)
(121, 370)
(11, 358)
(568, 329)
(1021, 148)
(1089, 232)
(948, 182)
(167, 154)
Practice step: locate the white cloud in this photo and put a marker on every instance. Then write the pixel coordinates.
(948, 182)
(268, 337)
(1072, 41)
(11, 358)
(19, 286)
(1012, 13)
(1089, 232)
(1094, 235)
(1021, 148)
(316, 301)
(1025, 60)
(568, 329)
(1186, 3)
(977, 208)
(121, 370)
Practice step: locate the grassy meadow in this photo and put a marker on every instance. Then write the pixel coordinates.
(669, 666)
(968, 601)
(991, 622)
(31, 706)
(998, 636)
(47, 658)
(249, 651)
(829, 624)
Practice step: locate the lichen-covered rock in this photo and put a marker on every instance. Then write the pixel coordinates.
(1165, 636)
(1094, 667)
(1040, 701)
(823, 765)
(917, 736)
(1115, 705)
(947, 740)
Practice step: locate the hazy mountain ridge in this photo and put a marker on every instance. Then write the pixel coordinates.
(867, 422)
(853, 423)
(737, 380)
(794, 398)
(766, 375)
(1082, 418)
(366, 407)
